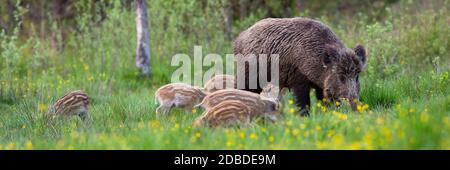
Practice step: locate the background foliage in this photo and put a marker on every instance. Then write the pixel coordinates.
(49, 48)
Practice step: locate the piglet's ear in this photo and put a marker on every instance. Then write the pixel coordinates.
(330, 55)
(361, 53)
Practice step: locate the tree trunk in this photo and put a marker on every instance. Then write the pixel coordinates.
(143, 38)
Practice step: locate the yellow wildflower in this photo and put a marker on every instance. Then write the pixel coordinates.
(271, 138)
(340, 115)
(446, 121)
(291, 110)
(86, 67)
(154, 124)
(230, 143)
(355, 146)
(368, 138)
(42, 107)
(10, 146)
(263, 130)
(287, 130)
(387, 134)
(302, 126)
(306, 134)
(242, 135)
(323, 109)
(337, 139)
(319, 104)
(289, 123)
(380, 120)
(29, 145)
(330, 133)
(424, 117)
(295, 132)
(343, 117)
(362, 107)
(338, 103)
(291, 101)
(318, 128)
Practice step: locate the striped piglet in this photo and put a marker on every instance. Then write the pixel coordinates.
(228, 113)
(73, 103)
(232, 105)
(177, 95)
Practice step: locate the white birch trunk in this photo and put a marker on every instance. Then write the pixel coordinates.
(143, 38)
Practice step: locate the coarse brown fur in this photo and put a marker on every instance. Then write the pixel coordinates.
(266, 107)
(234, 112)
(227, 113)
(311, 56)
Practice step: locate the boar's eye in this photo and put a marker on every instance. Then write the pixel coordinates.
(357, 78)
(342, 79)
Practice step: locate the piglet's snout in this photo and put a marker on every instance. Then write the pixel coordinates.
(351, 94)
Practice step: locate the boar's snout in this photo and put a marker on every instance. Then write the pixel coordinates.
(352, 99)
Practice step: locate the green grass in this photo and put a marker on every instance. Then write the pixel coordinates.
(408, 96)
(125, 119)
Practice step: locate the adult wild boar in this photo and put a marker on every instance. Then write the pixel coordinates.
(311, 56)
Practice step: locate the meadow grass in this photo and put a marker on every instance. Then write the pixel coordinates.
(405, 88)
(126, 120)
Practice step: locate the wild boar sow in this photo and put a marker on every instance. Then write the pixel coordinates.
(311, 56)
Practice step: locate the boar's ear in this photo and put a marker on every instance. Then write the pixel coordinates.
(361, 53)
(330, 55)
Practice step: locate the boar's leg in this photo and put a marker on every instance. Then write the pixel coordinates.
(301, 93)
(319, 93)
